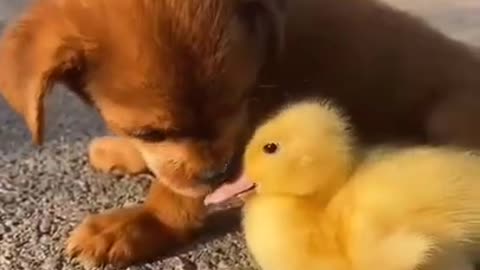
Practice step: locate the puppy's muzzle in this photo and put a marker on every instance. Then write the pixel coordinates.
(226, 173)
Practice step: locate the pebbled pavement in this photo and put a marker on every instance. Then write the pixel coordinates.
(46, 191)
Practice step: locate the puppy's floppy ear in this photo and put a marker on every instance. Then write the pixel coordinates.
(266, 20)
(35, 52)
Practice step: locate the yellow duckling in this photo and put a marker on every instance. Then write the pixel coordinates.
(322, 204)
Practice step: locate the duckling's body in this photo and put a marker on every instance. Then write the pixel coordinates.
(392, 209)
(286, 238)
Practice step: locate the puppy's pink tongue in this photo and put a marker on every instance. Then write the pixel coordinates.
(229, 190)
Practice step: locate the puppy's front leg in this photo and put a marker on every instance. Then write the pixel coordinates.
(142, 233)
(116, 155)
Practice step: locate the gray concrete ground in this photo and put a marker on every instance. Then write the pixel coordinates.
(46, 191)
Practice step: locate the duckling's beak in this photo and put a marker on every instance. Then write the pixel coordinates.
(227, 191)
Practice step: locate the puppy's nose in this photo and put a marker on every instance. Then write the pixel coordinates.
(214, 177)
(228, 171)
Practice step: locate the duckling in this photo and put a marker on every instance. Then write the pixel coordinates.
(323, 203)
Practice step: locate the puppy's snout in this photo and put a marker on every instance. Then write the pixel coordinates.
(214, 177)
(226, 173)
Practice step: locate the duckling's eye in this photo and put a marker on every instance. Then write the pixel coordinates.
(270, 148)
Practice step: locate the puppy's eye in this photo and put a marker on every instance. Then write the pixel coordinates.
(270, 148)
(151, 135)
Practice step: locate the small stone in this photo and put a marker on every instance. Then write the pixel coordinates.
(222, 265)
(45, 225)
(8, 223)
(201, 265)
(50, 264)
(186, 265)
(8, 198)
(44, 239)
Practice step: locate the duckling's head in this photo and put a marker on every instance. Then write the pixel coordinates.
(305, 149)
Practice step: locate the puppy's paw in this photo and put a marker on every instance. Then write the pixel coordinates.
(121, 237)
(116, 155)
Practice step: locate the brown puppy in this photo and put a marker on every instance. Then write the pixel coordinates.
(175, 80)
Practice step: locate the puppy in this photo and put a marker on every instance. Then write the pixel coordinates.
(183, 83)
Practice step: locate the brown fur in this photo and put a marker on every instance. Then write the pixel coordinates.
(183, 70)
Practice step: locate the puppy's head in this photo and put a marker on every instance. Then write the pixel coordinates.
(172, 75)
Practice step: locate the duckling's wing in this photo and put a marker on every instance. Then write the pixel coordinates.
(432, 190)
